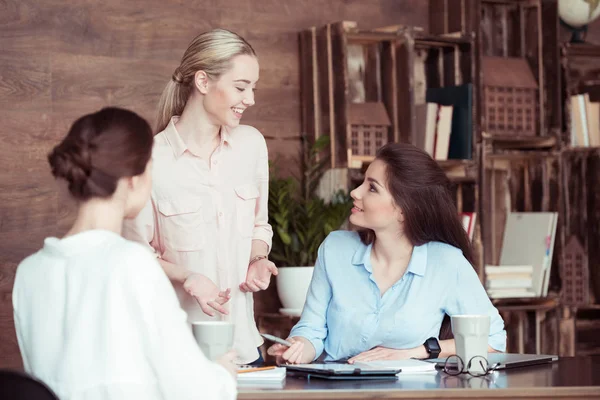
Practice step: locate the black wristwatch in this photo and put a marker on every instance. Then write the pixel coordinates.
(433, 347)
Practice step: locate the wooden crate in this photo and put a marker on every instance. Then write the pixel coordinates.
(343, 66)
(581, 70)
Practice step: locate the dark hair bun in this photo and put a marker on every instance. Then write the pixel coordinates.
(72, 163)
(101, 148)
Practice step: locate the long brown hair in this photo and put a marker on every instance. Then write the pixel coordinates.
(210, 52)
(101, 148)
(422, 191)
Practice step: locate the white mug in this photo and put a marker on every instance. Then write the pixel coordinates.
(471, 335)
(215, 338)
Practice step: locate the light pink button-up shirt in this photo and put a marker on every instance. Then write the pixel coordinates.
(204, 215)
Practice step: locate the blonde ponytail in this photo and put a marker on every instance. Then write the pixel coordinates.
(172, 101)
(210, 52)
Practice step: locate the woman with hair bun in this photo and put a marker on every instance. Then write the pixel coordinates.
(95, 315)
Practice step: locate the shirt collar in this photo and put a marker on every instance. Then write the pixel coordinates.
(178, 145)
(362, 256)
(418, 260)
(417, 264)
(226, 136)
(175, 141)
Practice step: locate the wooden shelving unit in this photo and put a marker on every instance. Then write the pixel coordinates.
(517, 170)
(542, 172)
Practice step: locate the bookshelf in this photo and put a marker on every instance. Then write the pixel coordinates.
(521, 172)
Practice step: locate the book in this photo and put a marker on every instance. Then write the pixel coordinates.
(426, 124)
(461, 99)
(442, 133)
(529, 240)
(468, 221)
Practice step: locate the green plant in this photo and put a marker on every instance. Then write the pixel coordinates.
(300, 219)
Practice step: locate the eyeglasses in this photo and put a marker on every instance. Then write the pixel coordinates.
(477, 366)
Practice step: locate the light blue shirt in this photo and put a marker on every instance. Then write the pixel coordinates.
(345, 314)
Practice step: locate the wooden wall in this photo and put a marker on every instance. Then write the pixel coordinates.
(59, 60)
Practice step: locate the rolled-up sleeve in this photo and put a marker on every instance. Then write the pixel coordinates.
(262, 228)
(143, 228)
(469, 297)
(313, 323)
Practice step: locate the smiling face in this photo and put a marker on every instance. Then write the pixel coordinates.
(232, 93)
(374, 207)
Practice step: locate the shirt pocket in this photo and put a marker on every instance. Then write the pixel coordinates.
(245, 204)
(183, 224)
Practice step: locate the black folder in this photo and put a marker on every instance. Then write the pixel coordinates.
(341, 372)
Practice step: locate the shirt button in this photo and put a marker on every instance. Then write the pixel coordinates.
(220, 214)
(364, 340)
(215, 162)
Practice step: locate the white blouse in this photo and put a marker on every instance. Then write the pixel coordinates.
(96, 318)
(203, 216)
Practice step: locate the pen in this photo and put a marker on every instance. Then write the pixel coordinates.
(242, 371)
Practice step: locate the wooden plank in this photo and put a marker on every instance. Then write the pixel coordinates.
(405, 93)
(372, 73)
(592, 183)
(340, 87)
(74, 91)
(438, 16)
(450, 70)
(309, 84)
(10, 356)
(325, 91)
(456, 16)
(552, 71)
(25, 80)
(390, 88)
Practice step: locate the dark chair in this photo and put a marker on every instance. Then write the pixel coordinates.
(446, 329)
(16, 385)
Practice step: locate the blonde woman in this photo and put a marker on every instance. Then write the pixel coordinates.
(207, 219)
(95, 316)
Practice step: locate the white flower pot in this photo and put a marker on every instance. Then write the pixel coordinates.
(292, 286)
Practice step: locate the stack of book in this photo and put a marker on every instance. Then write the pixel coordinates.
(261, 377)
(529, 240)
(509, 281)
(443, 122)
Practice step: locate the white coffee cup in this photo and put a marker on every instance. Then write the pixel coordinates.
(215, 338)
(471, 335)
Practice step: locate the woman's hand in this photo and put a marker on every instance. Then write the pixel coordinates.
(288, 355)
(227, 360)
(384, 353)
(258, 276)
(207, 294)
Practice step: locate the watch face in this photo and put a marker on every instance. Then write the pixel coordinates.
(433, 345)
